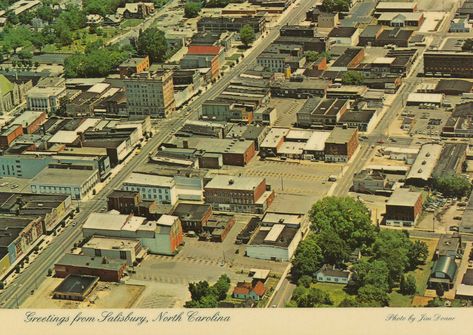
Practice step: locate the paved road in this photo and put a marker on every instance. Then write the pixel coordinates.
(31, 277)
(367, 148)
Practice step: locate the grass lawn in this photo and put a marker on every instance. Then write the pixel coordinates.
(422, 273)
(396, 299)
(335, 291)
(128, 23)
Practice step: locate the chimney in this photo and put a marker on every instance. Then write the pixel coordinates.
(185, 144)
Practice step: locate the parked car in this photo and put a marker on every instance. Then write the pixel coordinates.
(453, 228)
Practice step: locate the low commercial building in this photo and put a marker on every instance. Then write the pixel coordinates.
(350, 59)
(273, 141)
(127, 202)
(75, 287)
(444, 272)
(453, 87)
(395, 19)
(396, 7)
(348, 36)
(53, 209)
(322, 114)
(369, 181)
(226, 23)
(403, 208)
(30, 121)
(449, 63)
(9, 134)
(105, 269)
(18, 238)
(452, 158)
(238, 194)
(417, 99)
(23, 166)
(152, 187)
(194, 217)
(75, 183)
(133, 65)
(277, 243)
(163, 236)
(299, 89)
(201, 56)
(466, 225)
(421, 172)
(341, 144)
(128, 250)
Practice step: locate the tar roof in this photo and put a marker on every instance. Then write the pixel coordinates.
(284, 237)
(149, 180)
(191, 212)
(76, 284)
(342, 32)
(341, 135)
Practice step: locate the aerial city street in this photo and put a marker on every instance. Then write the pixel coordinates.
(249, 153)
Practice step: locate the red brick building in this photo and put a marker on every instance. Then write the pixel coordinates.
(134, 65)
(238, 194)
(341, 144)
(403, 208)
(8, 135)
(105, 269)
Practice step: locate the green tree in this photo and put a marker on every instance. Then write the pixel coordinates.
(152, 42)
(310, 297)
(305, 281)
(46, 13)
(311, 56)
(334, 249)
(436, 302)
(12, 18)
(398, 262)
(247, 34)
(352, 78)
(199, 290)
(452, 185)
(418, 254)
(336, 5)
(408, 285)
(209, 301)
(307, 259)
(191, 9)
(349, 302)
(221, 287)
(349, 218)
(373, 296)
(366, 272)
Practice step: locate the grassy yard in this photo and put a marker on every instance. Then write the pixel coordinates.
(396, 299)
(335, 291)
(422, 273)
(129, 23)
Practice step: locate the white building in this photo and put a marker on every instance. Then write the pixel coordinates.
(152, 187)
(278, 242)
(45, 99)
(114, 248)
(76, 183)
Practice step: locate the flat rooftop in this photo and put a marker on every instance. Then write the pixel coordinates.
(278, 235)
(49, 176)
(234, 183)
(109, 243)
(149, 180)
(403, 197)
(76, 284)
(90, 262)
(341, 135)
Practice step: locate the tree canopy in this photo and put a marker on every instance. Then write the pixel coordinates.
(152, 42)
(311, 56)
(352, 78)
(310, 297)
(307, 258)
(247, 34)
(192, 9)
(349, 218)
(336, 5)
(452, 185)
(205, 296)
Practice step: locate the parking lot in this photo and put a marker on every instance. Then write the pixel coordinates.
(428, 121)
(286, 109)
(167, 277)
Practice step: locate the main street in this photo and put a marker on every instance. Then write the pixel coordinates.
(36, 272)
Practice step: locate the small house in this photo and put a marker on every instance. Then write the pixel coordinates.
(253, 291)
(329, 274)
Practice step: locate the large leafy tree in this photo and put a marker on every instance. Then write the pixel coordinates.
(352, 78)
(452, 185)
(307, 259)
(310, 297)
(152, 42)
(408, 284)
(247, 34)
(334, 249)
(393, 248)
(336, 5)
(367, 272)
(373, 296)
(347, 217)
(418, 254)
